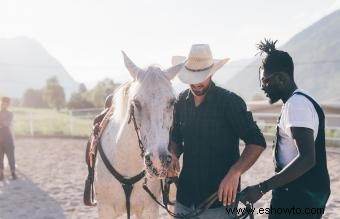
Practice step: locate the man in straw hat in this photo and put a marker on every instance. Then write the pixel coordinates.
(6, 138)
(208, 123)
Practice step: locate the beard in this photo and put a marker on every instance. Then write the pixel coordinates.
(199, 91)
(273, 100)
(273, 95)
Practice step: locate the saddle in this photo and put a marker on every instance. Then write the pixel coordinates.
(100, 123)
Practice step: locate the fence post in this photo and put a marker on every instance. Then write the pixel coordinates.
(31, 124)
(71, 122)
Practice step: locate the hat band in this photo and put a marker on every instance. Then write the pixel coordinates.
(197, 70)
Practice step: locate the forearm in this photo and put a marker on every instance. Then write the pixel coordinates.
(295, 169)
(248, 157)
(301, 164)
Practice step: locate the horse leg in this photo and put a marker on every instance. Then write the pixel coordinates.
(106, 211)
(152, 213)
(105, 195)
(150, 210)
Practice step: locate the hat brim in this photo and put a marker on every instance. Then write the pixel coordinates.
(190, 77)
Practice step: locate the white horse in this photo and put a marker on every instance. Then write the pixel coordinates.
(151, 96)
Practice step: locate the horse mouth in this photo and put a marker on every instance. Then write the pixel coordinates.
(156, 171)
(153, 172)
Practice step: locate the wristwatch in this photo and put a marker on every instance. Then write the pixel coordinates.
(263, 187)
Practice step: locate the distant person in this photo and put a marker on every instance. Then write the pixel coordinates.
(301, 180)
(6, 138)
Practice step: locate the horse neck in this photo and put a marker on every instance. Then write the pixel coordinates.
(121, 146)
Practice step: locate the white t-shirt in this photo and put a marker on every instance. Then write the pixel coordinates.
(298, 111)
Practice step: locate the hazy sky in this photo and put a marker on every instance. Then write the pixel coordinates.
(86, 36)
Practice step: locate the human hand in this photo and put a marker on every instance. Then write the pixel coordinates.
(174, 166)
(228, 188)
(251, 194)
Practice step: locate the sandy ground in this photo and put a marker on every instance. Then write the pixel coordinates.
(51, 175)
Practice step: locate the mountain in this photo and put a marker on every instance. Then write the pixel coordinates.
(316, 55)
(25, 63)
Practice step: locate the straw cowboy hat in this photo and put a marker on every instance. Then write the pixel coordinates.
(199, 65)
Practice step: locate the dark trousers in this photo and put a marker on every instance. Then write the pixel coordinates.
(6, 147)
(297, 204)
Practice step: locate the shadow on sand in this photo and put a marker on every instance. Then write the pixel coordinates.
(21, 198)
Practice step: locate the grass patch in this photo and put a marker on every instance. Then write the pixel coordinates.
(49, 122)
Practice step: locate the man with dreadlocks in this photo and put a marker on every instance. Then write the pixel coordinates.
(301, 180)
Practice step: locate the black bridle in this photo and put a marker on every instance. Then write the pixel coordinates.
(133, 118)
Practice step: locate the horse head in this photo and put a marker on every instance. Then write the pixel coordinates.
(151, 104)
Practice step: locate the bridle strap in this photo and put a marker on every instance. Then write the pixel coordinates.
(165, 187)
(133, 119)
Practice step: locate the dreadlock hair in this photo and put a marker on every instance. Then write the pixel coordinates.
(276, 60)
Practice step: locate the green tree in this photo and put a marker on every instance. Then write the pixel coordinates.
(82, 88)
(102, 89)
(33, 98)
(78, 100)
(54, 94)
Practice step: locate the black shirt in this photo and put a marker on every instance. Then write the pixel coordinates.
(209, 138)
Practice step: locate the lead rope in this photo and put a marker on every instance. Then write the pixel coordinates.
(206, 204)
(202, 207)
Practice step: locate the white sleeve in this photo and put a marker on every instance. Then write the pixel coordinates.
(299, 114)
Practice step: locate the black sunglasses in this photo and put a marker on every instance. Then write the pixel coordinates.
(264, 81)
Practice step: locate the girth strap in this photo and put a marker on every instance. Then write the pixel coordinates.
(127, 190)
(127, 183)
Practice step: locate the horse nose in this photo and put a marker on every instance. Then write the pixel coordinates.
(148, 159)
(166, 158)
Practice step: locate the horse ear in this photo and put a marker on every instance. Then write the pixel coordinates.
(133, 69)
(171, 72)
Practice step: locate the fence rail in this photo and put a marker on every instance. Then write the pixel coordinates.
(48, 122)
(78, 123)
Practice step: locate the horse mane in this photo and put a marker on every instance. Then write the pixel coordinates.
(120, 101)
